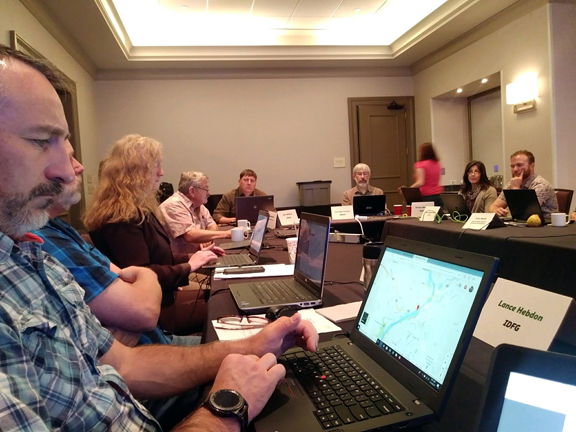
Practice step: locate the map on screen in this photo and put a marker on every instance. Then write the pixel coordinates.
(416, 311)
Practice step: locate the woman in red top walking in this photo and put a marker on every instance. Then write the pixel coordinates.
(427, 173)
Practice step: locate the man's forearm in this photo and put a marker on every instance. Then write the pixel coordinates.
(203, 236)
(203, 420)
(160, 371)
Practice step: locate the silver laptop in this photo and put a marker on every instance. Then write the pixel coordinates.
(397, 368)
(254, 249)
(306, 287)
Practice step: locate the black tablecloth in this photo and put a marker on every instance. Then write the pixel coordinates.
(542, 257)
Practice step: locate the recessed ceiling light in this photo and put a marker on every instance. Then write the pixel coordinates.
(459, 90)
(484, 81)
(357, 10)
(184, 7)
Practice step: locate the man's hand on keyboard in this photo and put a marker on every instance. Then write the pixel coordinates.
(283, 334)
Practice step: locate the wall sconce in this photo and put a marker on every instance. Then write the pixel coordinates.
(522, 93)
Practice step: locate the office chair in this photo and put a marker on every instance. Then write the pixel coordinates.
(564, 197)
(165, 191)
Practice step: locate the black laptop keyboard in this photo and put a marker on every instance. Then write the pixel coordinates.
(238, 259)
(277, 291)
(339, 388)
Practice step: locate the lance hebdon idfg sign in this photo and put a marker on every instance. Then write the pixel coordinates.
(522, 315)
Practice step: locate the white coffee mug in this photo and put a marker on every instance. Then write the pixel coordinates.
(560, 219)
(243, 223)
(239, 234)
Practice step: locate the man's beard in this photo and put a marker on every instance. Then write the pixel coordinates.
(70, 194)
(362, 183)
(17, 217)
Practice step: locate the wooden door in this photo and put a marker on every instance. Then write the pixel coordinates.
(383, 138)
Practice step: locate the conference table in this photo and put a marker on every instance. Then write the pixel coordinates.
(342, 286)
(543, 257)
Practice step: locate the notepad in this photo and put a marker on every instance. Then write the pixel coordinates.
(341, 312)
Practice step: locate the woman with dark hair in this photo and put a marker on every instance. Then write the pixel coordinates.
(427, 173)
(476, 188)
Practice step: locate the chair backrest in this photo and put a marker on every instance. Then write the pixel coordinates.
(212, 202)
(165, 191)
(564, 197)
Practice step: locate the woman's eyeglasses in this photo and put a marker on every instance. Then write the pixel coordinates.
(241, 322)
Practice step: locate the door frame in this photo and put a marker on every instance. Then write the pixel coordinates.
(355, 103)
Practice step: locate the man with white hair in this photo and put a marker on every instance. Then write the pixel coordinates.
(187, 219)
(361, 175)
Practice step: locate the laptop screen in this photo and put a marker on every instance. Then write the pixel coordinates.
(369, 205)
(258, 234)
(537, 404)
(311, 250)
(416, 311)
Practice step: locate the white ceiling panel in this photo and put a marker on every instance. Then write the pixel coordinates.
(308, 23)
(313, 8)
(273, 8)
(367, 7)
(230, 7)
(195, 6)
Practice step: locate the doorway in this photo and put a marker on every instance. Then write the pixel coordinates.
(382, 136)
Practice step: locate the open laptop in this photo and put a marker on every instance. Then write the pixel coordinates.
(306, 287)
(523, 203)
(255, 246)
(529, 390)
(245, 243)
(404, 351)
(455, 203)
(369, 205)
(247, 207)
(411, 195)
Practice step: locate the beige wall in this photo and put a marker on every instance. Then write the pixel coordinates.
(14, 16)
(521, 46)
(287, 130)
(563, 55)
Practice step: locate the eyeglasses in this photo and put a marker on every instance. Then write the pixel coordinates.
(241, 322)
(204, 189)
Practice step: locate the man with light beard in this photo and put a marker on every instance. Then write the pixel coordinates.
(522, 164)
(60, 369)
(127, 305)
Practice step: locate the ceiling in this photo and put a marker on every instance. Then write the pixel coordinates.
(227, 37)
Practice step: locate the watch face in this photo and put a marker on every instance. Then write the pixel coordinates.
(227, 400)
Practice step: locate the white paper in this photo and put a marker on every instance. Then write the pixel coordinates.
(429, 213)
(521, 315)
(321, 324)
(479, 221)
(342, 312)
(269, 270)
(272, 220)
(342, 212)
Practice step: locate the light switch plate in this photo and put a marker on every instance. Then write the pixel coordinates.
(339, 162)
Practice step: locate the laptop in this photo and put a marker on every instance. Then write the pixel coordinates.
(244, 243)
(411, 195)
(523, 203)
(255, 246)
(306, 287)
(529, 390)
(455, 203)
(247, 207)
(369, 205)
(396, 369)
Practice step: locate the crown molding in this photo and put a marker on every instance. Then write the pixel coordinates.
(62, 36)
(252, 73)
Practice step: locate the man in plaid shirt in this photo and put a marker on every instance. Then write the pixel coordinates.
(59, 368)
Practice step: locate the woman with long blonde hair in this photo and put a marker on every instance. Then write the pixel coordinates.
(125, 222)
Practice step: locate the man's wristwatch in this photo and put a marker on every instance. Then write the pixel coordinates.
(228, 403)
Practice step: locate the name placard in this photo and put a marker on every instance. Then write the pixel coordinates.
(521, 315)
(479, 221)
(429, 213)
(342, 212)
(419, 207)
(288, 218)
(272, 220)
